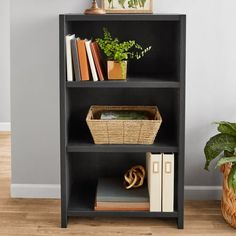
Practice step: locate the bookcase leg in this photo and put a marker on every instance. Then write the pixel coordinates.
(64, 221)
(180, 222)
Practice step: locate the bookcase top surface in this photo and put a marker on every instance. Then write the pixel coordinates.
(124, 17)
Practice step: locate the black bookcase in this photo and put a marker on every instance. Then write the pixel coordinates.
(157, 79)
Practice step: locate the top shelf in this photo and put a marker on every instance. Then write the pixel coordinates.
(124, 17)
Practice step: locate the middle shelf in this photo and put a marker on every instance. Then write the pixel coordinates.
(83, 146)
(79, 101)
(131, 82)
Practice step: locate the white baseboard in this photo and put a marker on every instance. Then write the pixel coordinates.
(53, 191)
(35, 191)
(202, 192)
(5, 126)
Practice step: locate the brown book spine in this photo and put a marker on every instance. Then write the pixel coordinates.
(122, 206)
(97, 208)
(83, 60)
(98, 60)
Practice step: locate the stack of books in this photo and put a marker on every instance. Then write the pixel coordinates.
(113, 196)
(84, 61)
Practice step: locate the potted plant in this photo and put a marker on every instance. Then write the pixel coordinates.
(118, 53)
(223, 145)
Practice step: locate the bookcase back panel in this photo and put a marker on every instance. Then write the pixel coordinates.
(163, 36)
(90, 166)
(80, 101)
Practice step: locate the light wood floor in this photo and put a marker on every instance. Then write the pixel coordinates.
(42, 217)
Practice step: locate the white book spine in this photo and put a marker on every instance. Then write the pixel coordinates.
(69, 57)
(91, 61)
(154, 175)
(168, 183)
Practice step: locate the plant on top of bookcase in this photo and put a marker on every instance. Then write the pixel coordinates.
(118, 53)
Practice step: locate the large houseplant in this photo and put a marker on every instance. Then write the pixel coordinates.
(223, 145)
(118, 53)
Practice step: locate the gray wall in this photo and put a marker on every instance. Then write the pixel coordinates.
(4, 61)
(210, 94)
(35, 87)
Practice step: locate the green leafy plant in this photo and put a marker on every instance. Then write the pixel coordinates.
(223, 145)
(120, 51)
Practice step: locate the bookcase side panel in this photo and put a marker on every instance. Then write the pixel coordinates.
(181, 159)
(63, 123)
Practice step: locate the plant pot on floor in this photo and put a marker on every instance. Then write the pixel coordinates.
(228, 201)
(117, 70)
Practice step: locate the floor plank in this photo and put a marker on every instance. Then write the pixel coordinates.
(29, 217)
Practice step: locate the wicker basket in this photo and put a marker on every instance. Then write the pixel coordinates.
(228, 202)
(123, 131)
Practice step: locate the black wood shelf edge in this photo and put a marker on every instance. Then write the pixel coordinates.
(123, 84)
(123, 17)
(120, 148)
(92, 213)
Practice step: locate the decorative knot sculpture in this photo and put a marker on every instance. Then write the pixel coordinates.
(134, 177)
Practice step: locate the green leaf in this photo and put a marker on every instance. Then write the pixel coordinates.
(216, 145)
(225, 160)
(227, 127)
(232, 178)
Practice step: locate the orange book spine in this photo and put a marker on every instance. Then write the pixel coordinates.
(83, 60)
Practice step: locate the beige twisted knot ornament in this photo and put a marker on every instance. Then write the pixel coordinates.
(134, 177)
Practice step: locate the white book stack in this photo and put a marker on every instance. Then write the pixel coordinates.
(160, 175)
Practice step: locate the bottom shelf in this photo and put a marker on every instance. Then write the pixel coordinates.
(146, 214)
(82, 202)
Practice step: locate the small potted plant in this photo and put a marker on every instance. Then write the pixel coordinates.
(118, 53)
(223, 145)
